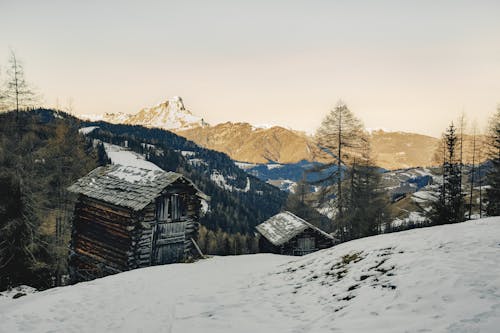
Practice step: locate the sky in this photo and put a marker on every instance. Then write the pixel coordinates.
(399, 65)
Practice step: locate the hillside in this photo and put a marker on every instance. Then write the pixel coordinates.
(440, 279)
(246, 143)
(399, 150)
(231, 189)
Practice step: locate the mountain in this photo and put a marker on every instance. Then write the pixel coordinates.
(231, 189)
(170, 115)
(423, 280)
(246, 143)
(399, 150)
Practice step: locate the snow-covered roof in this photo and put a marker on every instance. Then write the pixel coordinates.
(282, 227)
(127, 186)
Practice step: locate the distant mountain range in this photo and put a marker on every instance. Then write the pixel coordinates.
(244, 142)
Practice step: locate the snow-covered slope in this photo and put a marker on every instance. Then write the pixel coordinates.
(440, 279)
(123, 156)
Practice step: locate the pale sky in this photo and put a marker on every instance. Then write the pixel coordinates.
(399, 65)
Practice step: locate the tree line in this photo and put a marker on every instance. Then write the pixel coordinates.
(40, 156)
(452, 205)
(348, 183)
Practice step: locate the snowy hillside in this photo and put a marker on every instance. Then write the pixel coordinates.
(440, 279)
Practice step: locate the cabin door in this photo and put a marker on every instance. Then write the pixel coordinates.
(168, 243)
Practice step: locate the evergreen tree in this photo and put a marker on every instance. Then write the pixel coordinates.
(450, 206)
(366, 208)
(493, 177)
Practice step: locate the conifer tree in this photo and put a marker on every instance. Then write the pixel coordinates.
(493, 177)
(450, 206)
(341, 138)
(366, 205)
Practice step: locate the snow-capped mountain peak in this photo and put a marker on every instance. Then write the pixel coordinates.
(170, 114)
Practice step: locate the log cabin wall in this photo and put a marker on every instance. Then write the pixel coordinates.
(102, 237)
(292, 246)
(266, 246)
(174, 227)
(117, 219)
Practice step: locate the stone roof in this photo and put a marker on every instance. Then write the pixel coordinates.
(127, 186)
(284, 226)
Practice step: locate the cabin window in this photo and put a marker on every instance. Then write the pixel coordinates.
(305, 243)
(170, 207)
(175, 209)
(162, 208)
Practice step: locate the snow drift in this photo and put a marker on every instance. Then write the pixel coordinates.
(440, 279)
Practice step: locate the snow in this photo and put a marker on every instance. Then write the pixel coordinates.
(188, 153)
(91, 117)
(132, 174)
(170, 114)
(220, 181)
(247, 186)
(413, 217)
(87, 130)
(262, 126)
(282, 227)
(274, 166)
(7, 295)
(424, 196)
(439, 279)
(244, 165)
(197, 162)
(123, 156)
(204, 206)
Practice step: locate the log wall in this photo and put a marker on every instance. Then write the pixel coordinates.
(291, 247)
(107, 239)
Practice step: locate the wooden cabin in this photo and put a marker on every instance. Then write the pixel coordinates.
(126, 218)
(288, 234)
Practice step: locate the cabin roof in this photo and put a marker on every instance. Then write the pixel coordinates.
(284, 226)
(127, 186)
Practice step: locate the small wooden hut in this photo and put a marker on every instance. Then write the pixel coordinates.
(126, 218)
(286, 233)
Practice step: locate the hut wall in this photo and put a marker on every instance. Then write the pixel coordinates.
(102, 239)
(291, 247)
(168, 240)
(107, 239)
(266, 246)
(320, 242)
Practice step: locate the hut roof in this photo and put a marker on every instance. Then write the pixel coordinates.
(282, 227)
(127, 186)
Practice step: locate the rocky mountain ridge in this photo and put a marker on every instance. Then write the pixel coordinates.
(247, 143)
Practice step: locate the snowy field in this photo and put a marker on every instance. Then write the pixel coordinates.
(440, 279)
(123, 156)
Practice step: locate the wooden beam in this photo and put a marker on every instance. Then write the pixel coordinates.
(197, 248)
